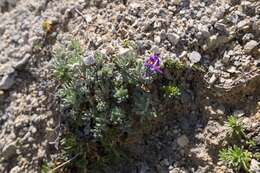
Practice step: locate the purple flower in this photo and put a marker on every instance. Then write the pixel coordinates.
(153, 63)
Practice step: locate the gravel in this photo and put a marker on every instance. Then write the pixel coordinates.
(220, 37)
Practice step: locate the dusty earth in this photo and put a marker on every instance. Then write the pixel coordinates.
(220, 36)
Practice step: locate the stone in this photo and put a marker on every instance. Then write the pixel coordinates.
(247, 37)
(202, 169)
(255, 166)
(249, 46)
(20, 64)
(256, 26)
(212, 79)
(6, 69)
(175, 170)
(21, 121)
(157, 39)
(33, 129)
(41, 153)
(149, 25)
(212, 43)
(89, 58)
(214, 112)
(257, 10)
(155, 49)
(204, 31)
(221, 27)
(183, 141)
(7, 82)
(213, 127)
(232, 69)
(88, 18)
(194, 57)
(163, 35)
(247, 7)
(173, 38)
(135, 8)
(176, 2)
(221, 110)
(238, 113)
(244, 24)
(9, 151)
(2, 30)
(257, 139)
(15, 169)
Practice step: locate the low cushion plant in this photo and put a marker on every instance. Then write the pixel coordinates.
(106, 100)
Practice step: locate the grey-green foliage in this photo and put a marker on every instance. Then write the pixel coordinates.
(121, 94)
(108, 90)
(103, 98)
(66, 63)
(236, 158)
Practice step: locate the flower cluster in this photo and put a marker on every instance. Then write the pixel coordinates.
(153, 64)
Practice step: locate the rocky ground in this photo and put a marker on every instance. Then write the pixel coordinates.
(220, 36)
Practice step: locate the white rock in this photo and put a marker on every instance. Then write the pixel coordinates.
(157, 39)
(255, 166)
(244, 24)
(239, 113)
(194, 57)
(212, 79)
(88, 18)
(175, 170)
(249, 46)
(204, 31)
(33, 129)
(232, 69)
(16, 169)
